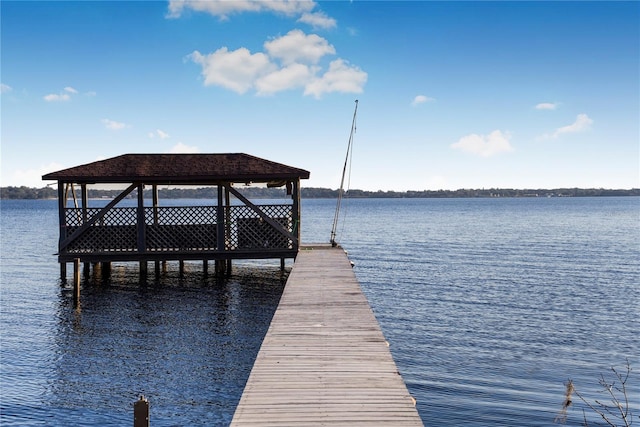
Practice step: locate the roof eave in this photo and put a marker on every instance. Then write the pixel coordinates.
(203, 180)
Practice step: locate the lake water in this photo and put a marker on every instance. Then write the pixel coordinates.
(489, 306)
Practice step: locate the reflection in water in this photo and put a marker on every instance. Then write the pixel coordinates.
(187, 342)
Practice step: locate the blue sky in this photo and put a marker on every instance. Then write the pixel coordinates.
(451, 94)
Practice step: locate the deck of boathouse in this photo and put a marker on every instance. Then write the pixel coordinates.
(324, 360)
(219, 230)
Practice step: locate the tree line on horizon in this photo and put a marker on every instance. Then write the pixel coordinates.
(327, 193)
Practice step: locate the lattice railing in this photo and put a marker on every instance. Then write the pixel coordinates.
(250, 231)
(116, 231)
(170, 229)
(118, 216)
(181, 229)
(180, 215)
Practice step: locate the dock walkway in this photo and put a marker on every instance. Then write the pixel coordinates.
(324, 360)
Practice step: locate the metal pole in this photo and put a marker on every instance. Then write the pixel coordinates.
(344, 170)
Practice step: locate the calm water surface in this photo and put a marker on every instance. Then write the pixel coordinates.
(489, 306)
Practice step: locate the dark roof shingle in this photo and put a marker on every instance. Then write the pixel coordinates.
(179, 168)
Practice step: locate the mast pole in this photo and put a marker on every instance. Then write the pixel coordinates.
(344, 170)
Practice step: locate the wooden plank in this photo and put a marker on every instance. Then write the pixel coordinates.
(324, 360)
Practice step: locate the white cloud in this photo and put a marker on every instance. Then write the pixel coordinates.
(5, 88)
(294, 75)
(582, 123)
(64, 95)
(224, 8)
(297, 46)
(341, 77)
(113, 125)
(159, 133)
(289, 62)
(318, 20)
(56, 97)
(485, 145)
(182, 148)
(421, 99)
(547, 106)
(33, 177)
(236, 70)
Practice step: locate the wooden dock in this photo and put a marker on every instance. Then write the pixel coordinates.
(324, 360)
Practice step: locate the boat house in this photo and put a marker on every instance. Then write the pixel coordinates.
(217, 230)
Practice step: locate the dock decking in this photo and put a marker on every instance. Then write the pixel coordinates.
(324, 360)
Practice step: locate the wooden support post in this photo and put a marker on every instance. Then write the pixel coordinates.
(181, 267)
(140, 221)
(141, 413)
(227, 217)
(220, 222)
(142, 239)
(85, 201)
(154, 201)
(205, 267)
(154, 196)
(229, 267)
(97, 271)
(76, 282)
(220, 267)
(62, 224)
(106, 269)
(296, 214)
(143, 271)
(164, 266)
(281, 264)
(86, 269)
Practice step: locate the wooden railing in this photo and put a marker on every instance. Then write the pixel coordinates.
(178, 229)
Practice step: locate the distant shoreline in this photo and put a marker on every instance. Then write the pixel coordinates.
(7, 193)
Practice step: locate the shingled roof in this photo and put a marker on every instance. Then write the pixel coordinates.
(179, 169)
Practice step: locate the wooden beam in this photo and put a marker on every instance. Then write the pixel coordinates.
(85, 201)
(62, 219)
(140, 221)
(154, 192)
(295, 196)
(220, 220)
(227, 219)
